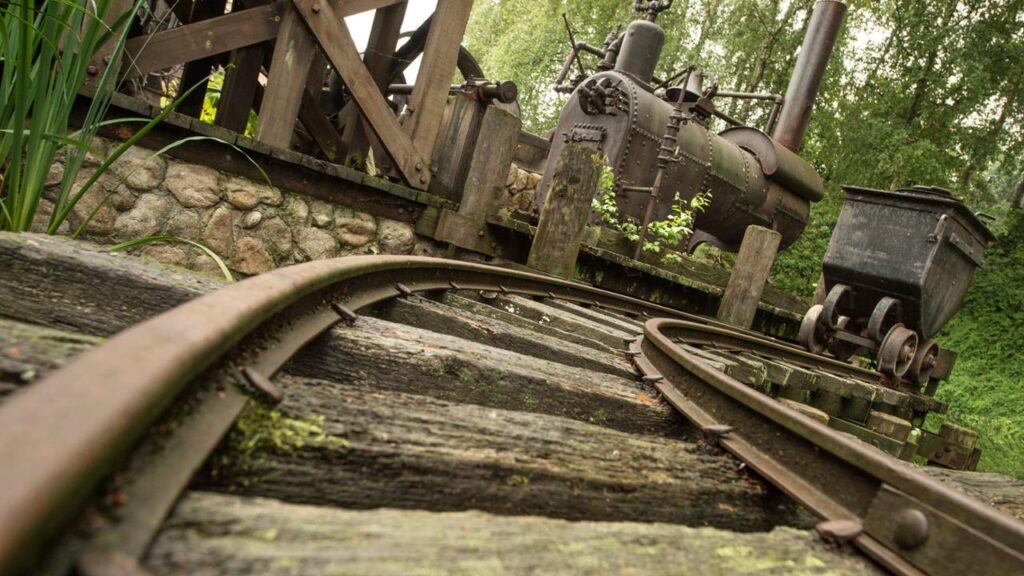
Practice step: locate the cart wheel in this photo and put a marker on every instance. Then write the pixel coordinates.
(897, 351)
(842, 349)
(885, 315)
(810, 335)
(923, 364)
(838, 298)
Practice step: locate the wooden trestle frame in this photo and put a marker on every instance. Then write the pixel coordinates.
(296, 40)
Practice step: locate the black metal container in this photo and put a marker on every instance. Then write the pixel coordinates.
(918, 245)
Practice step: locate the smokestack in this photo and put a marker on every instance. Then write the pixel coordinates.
(822, 31)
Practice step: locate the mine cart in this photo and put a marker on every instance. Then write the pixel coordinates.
(896, 271)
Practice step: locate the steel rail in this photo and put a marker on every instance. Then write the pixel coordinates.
(903, 519)
(65, 434)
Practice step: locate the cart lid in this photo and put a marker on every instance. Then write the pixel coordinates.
(928, 195)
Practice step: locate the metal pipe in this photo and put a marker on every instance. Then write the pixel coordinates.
(746, 95)
(819, 40)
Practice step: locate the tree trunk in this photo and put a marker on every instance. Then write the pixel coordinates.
(212, 534)
(1018, 196)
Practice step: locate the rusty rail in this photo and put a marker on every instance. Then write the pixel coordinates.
(66, 433)
(908, 522)
(101, 405)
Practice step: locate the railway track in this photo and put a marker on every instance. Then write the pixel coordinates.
(432, 388)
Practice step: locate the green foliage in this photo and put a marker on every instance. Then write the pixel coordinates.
(673, 230)
(46, 50)
(985, 392)
(261, 430)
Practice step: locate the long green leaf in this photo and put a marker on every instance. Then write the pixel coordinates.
(176, 239)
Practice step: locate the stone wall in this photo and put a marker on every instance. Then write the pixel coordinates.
(521, 189)
(253, 226)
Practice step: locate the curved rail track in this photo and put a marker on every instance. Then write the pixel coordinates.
(102, 404)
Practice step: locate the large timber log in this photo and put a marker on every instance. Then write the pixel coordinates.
(213, 534)
(463, 324)
(409, 359)
(81, 288)
(30, 352)
(403, 450)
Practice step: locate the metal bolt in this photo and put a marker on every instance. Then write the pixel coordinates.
(419, 166)
(839, 530)
(480, 234)
(347, 315)
(263, 385)
(315, 8)
(715, 432)
(423, 179)
(106, 59)
(92, 70)
(494, 245)
(911, 528)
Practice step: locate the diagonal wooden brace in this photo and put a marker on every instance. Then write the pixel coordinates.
(336, 42)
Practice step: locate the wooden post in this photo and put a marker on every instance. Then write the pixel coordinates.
(566, 210)
(494, 144)
(749, 275)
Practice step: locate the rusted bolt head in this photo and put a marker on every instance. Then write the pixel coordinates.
(480, 233)
(911, 528)
(839, 530)
(92, 70)
(419, 166)
(315, 8)
(423, 179)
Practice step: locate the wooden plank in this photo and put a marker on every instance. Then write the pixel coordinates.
(209, 532)
(293, 57)
(380, 49)
(566, 211)
(337, 44)
(749, 276)
(426, 105)
(205, 38)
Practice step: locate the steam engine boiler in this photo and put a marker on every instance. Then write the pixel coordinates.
(662, 151)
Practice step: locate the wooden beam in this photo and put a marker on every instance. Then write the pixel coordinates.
(293, 56)
(241, 81)
(197, 72)
(440, 55)
(380, 49)
(205, 38)
(566, 210)
(749, 275)
(337, 44)
(318, 125)
(101, 60)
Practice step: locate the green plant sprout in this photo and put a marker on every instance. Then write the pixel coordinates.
(671, 231)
